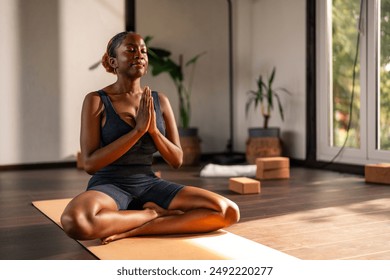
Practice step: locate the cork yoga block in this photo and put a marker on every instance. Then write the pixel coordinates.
(244, 185)
(282, 173)
(272, 163)
(273, 168)
(377, 173)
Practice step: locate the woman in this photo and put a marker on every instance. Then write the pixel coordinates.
(122, 126)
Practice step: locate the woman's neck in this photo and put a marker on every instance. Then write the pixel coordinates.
(126, 86)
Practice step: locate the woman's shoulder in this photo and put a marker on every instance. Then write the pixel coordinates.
(164, 102)
(91, 96)
(93, 99)
(162, 96)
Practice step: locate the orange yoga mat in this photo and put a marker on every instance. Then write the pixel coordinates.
(218, 245)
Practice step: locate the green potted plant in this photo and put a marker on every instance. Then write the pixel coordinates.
(264, 141)
(160, 62)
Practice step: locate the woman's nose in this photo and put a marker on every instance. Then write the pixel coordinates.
(139, 54)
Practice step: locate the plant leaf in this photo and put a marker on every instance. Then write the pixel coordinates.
(271, 78)
(269, 98)
(248, 104)
(279, 106)
(155, 51)
(260, 82)
(194, 59)
(147, 39)
(160, 52)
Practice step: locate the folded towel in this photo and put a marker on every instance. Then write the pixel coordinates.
(216, 170)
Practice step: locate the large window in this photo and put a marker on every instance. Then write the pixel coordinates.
(353, 80)
(384, 77)
(345, 74)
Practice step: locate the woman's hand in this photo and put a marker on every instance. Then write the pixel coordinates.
(153, 124)
(144, 116)
(169, 144)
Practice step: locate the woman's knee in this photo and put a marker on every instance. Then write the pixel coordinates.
(79, 219)
(231, 213)
(76, 225)
(191, 198)
(228, 210)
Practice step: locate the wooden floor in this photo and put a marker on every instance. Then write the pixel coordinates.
(313, 215)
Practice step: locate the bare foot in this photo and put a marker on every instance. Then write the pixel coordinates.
(114, 237)
(161, 211)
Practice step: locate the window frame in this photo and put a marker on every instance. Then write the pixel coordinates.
(369, 52)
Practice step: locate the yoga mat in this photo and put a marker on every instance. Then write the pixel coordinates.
(218, 245)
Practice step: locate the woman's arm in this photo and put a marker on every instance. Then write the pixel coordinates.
(169, 145)
(94, 156)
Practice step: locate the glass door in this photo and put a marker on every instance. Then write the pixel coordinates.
(353, 81)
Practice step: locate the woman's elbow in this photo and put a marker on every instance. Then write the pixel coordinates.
(90, 171)
(89, 167)
(177, 165)
(177, 161)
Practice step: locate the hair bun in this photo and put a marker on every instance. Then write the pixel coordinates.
(106, 64)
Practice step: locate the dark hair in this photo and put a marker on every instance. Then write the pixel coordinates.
(112, 45)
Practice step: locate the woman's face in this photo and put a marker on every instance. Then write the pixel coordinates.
(132, 56)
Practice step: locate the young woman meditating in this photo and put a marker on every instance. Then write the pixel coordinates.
(122, 126)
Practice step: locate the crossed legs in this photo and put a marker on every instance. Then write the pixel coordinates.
(93, 214)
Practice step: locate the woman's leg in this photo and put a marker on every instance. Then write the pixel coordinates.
(93, 214)
(203, 211)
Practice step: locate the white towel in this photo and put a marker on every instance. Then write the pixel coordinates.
(216, 170)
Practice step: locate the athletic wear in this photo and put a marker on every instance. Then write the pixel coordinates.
(130, 180)
(142, 152)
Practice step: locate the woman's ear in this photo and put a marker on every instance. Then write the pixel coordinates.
(113, 62)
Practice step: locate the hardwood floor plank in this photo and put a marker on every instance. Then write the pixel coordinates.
(343, 249)
(315, 214)
(384, 255)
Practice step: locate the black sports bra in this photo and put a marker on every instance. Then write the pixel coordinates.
(142, 152)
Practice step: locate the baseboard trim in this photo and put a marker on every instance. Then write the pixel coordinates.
(205, 158)
(337, 167)
(35, 166)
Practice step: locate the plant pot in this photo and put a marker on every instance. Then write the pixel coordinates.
(263, 142)
(188, 132)
(190, 144)
(264, 132)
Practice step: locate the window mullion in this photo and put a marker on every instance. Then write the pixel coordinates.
(325, 149)
(373, 78)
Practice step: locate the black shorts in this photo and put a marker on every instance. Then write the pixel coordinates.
(134, 191)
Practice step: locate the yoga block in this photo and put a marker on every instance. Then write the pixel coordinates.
(377, 173)
(273, 168)
(282, 173)
(244, 185)
(272, 163)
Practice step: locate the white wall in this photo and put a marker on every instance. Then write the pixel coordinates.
(190, 27)
(48, 45)
(243, 60)
(10, 117)
(267, 33)
(86, 27)
(277, 39)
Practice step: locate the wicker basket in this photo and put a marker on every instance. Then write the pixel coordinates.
(257, 147)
